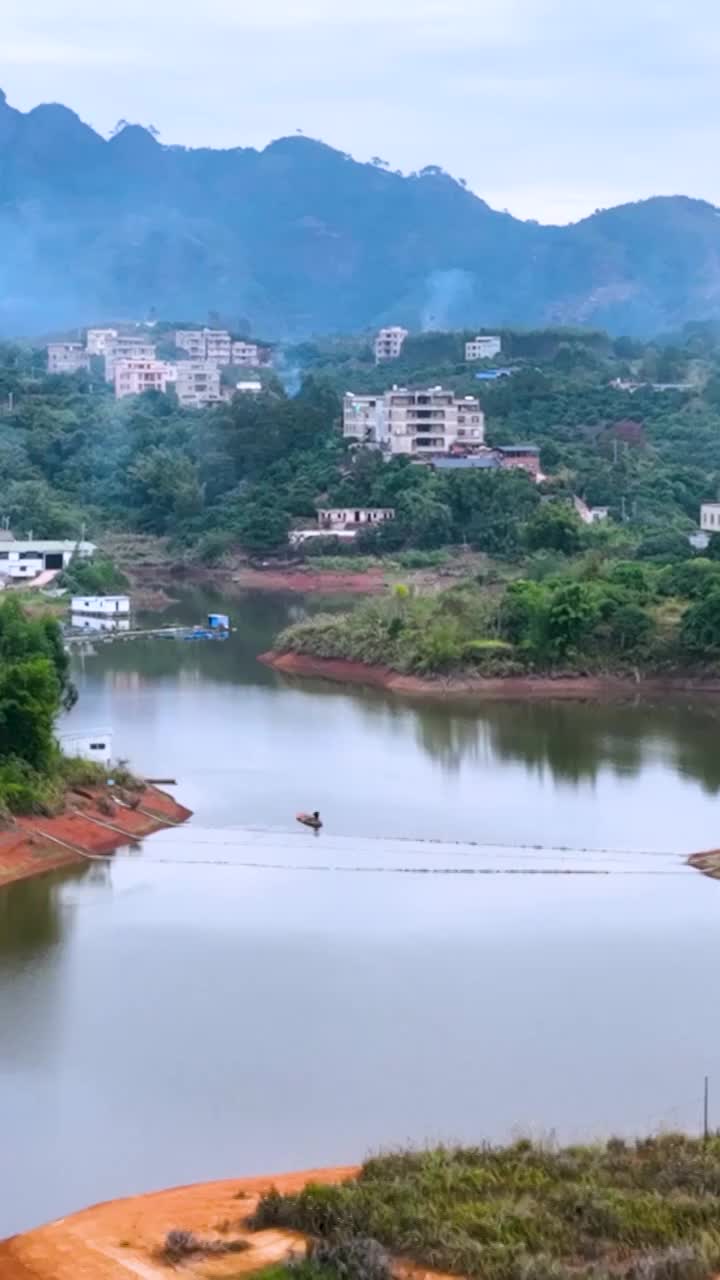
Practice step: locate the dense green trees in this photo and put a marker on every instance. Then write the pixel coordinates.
(34, 685)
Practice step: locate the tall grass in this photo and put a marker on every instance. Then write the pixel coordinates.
(648, 1210)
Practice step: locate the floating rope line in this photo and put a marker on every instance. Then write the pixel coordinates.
(433, 840)
(374, 870)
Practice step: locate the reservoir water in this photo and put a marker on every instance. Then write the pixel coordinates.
(494, 934)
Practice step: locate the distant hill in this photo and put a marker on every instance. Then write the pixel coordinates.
(300, 238)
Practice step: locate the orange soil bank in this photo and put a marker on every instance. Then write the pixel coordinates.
(34, 845)
(345, 671)
(120, 1240)
(369, 582)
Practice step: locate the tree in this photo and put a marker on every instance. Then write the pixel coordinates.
(554, 526)
(700, 627)
(263, 528)
(631, 628)
(571, 612)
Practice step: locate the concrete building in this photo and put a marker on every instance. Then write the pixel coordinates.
(246, 355)
(710, 517)
(97, 340)
(126, 347)
(336, 519)
(249, 388)
(218, 346)
(198, 383)
(29, 557)
(102, 606)
(67, 357)
(389, 343)
(192, 341)
(134, 377)
(88, 746)
(415, 422)
(484, 347)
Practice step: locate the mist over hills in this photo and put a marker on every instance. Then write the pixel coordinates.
(300, 238)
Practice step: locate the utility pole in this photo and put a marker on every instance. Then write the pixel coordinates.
(615, 451)
(706, 1100)
(622, 507)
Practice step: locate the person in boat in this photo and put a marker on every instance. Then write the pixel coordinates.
(310, 819)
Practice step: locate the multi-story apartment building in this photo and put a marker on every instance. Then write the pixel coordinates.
(134, 376)
(126, 347)
(218, 346)
(416, 422)
(207, 344)
(67, 357)
(389, 343)
(246, 355)
(192, 341)
(198, 383)
(484, 347)
(97, 340)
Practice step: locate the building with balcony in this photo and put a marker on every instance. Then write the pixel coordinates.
(415, 422)
(218, 346)
(198, 383)
(192, 341)
(134, 377)
(97, 340)
(126, 347)
(246, 355)
(67, 357)
(484, 347)
(389, 343)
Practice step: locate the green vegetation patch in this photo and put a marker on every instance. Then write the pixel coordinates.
(648, 1210)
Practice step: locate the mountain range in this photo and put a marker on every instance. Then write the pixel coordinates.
(299, 238)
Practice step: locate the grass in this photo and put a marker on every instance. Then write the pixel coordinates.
(648, 1210)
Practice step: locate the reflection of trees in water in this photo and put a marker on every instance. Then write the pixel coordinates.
(31, 915)
(575, 741)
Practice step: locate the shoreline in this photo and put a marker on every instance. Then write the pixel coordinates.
(118, 1239)
(526, 688)
(35, 845)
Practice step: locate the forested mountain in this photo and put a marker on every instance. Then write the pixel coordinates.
(300, 238)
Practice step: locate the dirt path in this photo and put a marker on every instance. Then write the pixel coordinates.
(119, 1240)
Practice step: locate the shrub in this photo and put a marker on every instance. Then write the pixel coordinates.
(351, 1258)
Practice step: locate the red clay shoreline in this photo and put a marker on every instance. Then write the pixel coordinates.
(34, 845)
(344, 671)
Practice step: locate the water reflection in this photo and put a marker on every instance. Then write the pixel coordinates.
(31, 912)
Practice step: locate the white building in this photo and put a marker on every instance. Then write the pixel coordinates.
(389, 343)
(710, 517)
(218, 346)
(483, 348)
(113, 606)
(415, 422)
(192, 341)
(198, 383)
(207, 344)
(67, 357)
(249, 388)
(97, 340)
(246, 355)
(134, 377)
(338, 518)
(30, 557)
(88, 746)
(126, 347)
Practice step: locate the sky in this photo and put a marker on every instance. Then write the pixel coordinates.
(547, 108)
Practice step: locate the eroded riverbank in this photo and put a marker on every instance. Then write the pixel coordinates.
(582, 687)
(91, 826)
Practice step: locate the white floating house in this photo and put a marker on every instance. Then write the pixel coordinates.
(101, 606)
(95, 622)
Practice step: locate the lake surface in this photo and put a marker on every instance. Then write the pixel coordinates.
(241, 996)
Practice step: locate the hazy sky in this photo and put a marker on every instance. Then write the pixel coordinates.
(549, 108)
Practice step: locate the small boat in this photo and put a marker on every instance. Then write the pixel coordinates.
(310, 820)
